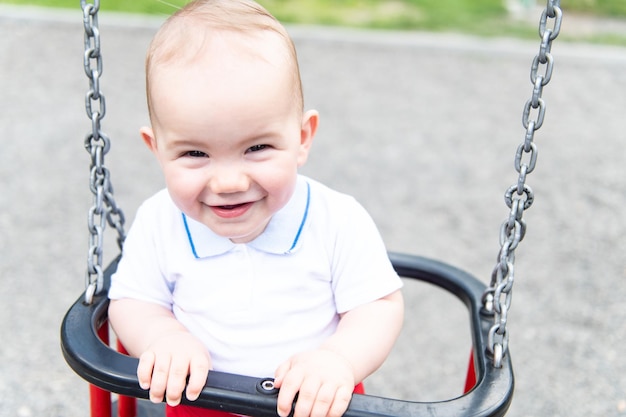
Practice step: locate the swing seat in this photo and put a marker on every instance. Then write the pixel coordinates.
(489, 390)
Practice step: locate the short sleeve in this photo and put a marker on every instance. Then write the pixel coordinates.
(361, 269)
(141, 273)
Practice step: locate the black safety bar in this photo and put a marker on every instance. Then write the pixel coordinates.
(104, 367)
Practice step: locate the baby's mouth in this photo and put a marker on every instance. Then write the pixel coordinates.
(231, 210)
(231, 206)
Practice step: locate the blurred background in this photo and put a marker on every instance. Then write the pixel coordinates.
(484, 17)
(421, 105)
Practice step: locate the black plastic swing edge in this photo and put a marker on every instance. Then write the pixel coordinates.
(103, 367)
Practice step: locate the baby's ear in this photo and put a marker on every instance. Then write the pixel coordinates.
(148, 138)
(310, 121)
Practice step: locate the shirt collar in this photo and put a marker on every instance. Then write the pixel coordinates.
(282, 235)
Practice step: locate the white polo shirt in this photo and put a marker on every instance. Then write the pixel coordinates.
(254, 305)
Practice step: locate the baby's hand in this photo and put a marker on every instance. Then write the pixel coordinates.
(323, 380)
(164, 367)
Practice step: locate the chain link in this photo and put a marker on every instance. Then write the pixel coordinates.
(519, 197)
(104, 209)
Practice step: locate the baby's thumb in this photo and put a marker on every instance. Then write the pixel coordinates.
(280, 373)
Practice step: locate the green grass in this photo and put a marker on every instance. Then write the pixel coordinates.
(615, 8)
(390, 14)
(480, 17)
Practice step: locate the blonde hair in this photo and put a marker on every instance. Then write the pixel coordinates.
(180, 33)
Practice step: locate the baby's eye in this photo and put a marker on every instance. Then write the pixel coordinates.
(257, 148)
(195, 154)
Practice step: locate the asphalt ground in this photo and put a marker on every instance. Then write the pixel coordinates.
(421, 128)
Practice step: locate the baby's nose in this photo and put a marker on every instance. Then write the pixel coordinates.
(227, 179)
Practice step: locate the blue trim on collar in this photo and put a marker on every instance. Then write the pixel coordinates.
(193, 247)
(306, 214)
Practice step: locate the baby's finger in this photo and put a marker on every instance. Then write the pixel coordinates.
(144, 369)
(160, 374)
(323, 401)
(176, 380)
(288, 390)
(307, 397)
(343, 396)
(198, 373)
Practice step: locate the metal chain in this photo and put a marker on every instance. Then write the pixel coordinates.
(104, 208)
(519, 197)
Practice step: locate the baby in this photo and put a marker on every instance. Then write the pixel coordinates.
(242, 265)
